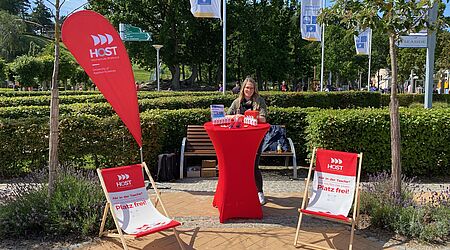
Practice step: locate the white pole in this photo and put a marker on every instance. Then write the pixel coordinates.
(157, 47)
(157, 66)
(370, 60)
(224, 45)
(431, 46)
(323, 51)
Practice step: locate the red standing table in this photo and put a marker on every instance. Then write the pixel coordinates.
(236, 195)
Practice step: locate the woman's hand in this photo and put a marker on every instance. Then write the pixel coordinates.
(262, 119)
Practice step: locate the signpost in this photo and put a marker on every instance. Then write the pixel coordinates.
(414, 40)
(133, 34)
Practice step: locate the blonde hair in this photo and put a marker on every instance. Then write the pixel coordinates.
(255, 86)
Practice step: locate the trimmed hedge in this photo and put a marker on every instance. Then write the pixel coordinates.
(425, 139)
(97, 106)
(405, 100)
(104, 142)
(10, 93)
(89, 97)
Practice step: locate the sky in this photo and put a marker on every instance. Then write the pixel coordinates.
(71, 5)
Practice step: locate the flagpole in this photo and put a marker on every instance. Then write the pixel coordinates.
(370, 60)
(323, 51)
(224, 45)
(142, 156)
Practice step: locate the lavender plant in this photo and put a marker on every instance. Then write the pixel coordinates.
(415, 213)
(74, 209)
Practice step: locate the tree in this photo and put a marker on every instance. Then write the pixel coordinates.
(41, 14)
(26, 69)
(443, 50)
(11, 42)
(394, 18)
(54, 108)
(15, 7)
(2, 69)
(411, 59)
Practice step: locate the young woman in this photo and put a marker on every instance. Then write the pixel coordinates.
(249, 99)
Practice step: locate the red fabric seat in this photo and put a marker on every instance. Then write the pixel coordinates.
(337, 217)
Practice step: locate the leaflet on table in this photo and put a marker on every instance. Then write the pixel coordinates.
(218, 114)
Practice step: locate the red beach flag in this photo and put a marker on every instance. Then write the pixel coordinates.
(97, 47)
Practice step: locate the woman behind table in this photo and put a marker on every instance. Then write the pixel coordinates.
(249, 99)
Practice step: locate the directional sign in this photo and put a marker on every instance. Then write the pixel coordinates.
(417, 40)
(131, 33)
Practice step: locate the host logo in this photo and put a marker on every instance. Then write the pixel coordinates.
(123, 180)
(334, 164)
(101, 52)
(100, 39)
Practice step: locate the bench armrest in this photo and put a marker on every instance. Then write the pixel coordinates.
(294, 157)
(183, 147)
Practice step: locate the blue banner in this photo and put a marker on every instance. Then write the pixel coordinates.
(310, 29)
(363, 42)
(206, 8)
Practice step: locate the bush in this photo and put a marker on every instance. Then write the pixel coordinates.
(425, 219)
(435, 105)
(92, 141)
(424, 142)
(75, 209)
(405, 100)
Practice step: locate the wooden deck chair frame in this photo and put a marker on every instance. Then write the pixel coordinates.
(118, 232)
(353, 220)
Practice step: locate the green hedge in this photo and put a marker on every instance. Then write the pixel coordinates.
(405, 100)
(424, 137)
(11, 93)
(95, 105)
(88, 97)
(102, 142)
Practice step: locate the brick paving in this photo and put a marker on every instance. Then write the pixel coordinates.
(201, 228)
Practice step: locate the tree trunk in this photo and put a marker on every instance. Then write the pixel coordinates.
(209, 74)
(193, 76)
(395, 121)
(175, 71)
(54, 113)
(183, 72)
(259, 78)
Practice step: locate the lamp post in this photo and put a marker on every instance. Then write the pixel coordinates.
(157, 47)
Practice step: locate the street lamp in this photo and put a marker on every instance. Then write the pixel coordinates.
(157, 47)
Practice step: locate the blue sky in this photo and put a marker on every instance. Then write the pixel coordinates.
(71, 5)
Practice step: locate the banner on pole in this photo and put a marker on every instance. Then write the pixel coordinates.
(363, 42)
(334, 182)
(97, 47)
(206, 8)
(310, 29)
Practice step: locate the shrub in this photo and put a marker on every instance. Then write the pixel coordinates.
(406, 100)
(92, 141)
(75, 209)
(424, 149)
(425, 219)
(435, 105)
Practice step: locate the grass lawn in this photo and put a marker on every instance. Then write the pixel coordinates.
(140, 75)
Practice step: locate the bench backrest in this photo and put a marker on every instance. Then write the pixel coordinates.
(198, 139)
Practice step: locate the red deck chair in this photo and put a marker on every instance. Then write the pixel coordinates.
(130, 206)
(335, 190)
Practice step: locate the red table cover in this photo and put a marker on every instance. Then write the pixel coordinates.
(236, 195)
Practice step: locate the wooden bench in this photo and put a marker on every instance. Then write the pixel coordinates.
(197, 143)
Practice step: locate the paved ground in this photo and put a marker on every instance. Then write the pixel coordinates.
(189, 201)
